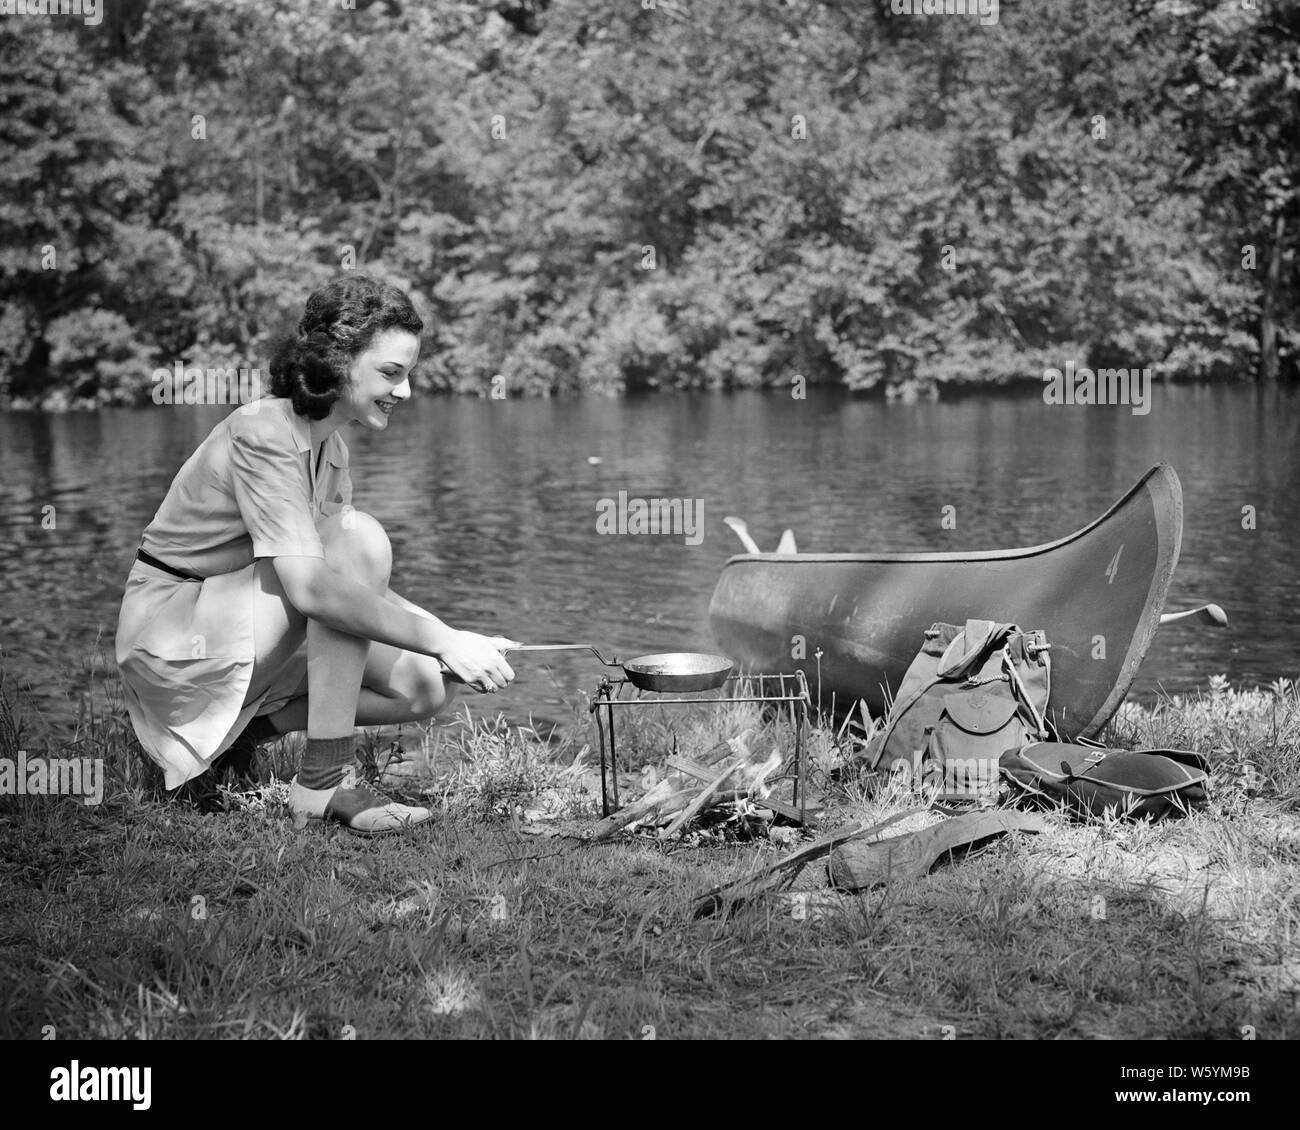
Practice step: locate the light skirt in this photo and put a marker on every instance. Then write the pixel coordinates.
(186, 651)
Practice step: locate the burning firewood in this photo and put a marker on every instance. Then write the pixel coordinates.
(714, 783)
(747, 774)
(702, 797)
(656, 799)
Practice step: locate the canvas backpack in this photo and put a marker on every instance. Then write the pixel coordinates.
(972, 693)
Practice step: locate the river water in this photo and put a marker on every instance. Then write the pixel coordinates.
(493, 506)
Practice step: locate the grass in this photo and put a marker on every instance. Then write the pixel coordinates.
(142, 918)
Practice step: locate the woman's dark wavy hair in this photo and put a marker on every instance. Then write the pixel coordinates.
(338, 324)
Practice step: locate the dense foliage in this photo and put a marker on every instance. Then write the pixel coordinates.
(619, 194)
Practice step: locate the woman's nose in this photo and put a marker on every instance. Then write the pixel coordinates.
(402, 391)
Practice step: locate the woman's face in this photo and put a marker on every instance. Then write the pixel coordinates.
(379, 379)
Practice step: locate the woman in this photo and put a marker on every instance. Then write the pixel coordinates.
(259, 601)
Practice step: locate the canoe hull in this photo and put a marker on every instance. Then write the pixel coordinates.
(1097, 594)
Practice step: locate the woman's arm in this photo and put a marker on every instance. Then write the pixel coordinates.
(499, 642)
(402, 602)
(338, 602)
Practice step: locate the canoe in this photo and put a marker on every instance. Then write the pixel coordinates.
(1097, 594)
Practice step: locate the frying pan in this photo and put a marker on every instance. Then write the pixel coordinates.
(675, 671)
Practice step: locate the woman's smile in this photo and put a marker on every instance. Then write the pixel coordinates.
(380, 378)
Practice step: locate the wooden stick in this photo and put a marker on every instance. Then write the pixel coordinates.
(781, 808)
(753, 776)
(678, 801)
(663, 797)
(734, 745)
(701, 799)
(666, 809)
(692, 769)
(711, 901)
(624, 816)
(703, 769)
(702, 773)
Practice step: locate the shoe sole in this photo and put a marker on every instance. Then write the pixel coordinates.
(332, 821)
(335, 816)
(383, 831)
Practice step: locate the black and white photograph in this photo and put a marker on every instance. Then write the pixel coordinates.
(640, 520)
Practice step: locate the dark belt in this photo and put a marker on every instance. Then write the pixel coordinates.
(150, 559)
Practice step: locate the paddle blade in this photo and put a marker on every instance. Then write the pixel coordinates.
(741, 531)
(1213, 614)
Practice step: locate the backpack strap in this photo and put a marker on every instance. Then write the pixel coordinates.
(1094, 758)
(896, 711)
(1022, 693)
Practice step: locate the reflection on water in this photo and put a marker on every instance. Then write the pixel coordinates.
(492, 506)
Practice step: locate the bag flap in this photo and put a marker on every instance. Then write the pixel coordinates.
(979, 711)
(1182, 756)
(1143, 772)
(1053, 761)
(967, 648)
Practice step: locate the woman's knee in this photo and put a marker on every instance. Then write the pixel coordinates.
(413, 683)
(356, 544)
(429, 692)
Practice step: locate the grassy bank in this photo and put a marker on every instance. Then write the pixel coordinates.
(140, 917)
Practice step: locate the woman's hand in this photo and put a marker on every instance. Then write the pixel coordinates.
(477, 660)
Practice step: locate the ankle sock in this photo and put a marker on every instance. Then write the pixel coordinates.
(325, 762)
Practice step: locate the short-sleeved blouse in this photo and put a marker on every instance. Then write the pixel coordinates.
(185, 648)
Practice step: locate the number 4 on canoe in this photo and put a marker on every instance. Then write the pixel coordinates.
(1113, 567)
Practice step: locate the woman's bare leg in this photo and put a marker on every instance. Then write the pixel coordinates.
(388, 686)
(398, 687)
(357, 546)
(337, 663)
(326, 786)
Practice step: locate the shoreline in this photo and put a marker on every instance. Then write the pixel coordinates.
(908, 393)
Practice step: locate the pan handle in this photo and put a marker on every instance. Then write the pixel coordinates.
(564, 647)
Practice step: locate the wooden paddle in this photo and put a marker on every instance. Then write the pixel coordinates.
(742, 531)
(1210, 614)
(785, 545)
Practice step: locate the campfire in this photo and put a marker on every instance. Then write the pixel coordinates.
(727, 783)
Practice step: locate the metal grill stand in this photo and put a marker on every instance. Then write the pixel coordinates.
(788, 688)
